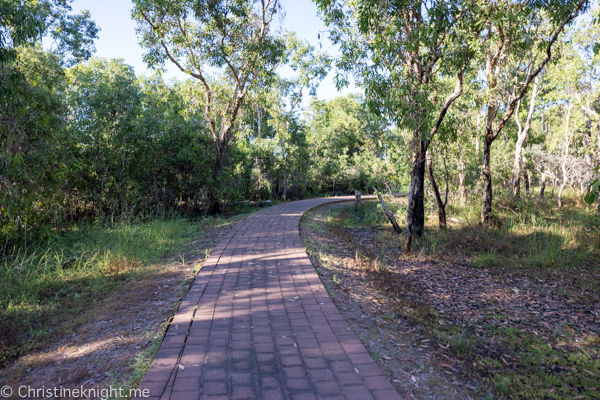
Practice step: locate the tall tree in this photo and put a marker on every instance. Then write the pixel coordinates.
(398, 50)
(514, 33)
(231, 38)
(522, 138)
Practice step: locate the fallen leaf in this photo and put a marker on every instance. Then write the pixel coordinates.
(356, 370)
(412, 378)
(181, 366)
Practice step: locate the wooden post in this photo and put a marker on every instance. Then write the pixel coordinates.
(357, 201)
(387, 212)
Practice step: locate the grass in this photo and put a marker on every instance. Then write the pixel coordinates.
(371, 213)
(531, 238)
(47, 284)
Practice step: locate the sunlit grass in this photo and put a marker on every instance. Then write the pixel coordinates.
(531, 236)
(52, 281)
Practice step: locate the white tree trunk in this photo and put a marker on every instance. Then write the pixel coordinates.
(565, 172)
(523, 136)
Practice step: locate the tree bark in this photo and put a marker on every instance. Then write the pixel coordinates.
(526, 176)
(441, 204)
(543, 185)
(415, 218)
(523, 136)
(564, 163)
(461, 180)
(387, 212)
(486, 208)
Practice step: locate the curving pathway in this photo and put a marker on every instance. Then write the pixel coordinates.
(257, 323)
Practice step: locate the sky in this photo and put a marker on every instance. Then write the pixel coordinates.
(117, 37)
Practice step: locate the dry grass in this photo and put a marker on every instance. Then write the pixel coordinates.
(510, 311)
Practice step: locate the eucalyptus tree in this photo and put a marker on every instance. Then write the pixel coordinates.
(397, 50)
(522, 138)
(309, 68)
(230, 38)
(514, 33)
(24, 22)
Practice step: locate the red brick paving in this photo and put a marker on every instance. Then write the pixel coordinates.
(257, 323)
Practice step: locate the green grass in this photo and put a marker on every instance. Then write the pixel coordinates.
(531, 237)
(54, 280)
(371, 212)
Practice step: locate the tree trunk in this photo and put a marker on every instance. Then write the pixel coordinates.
(543, 185)
(441, 205)
(565, 177)
(259, 122)
(522, 139)
(461, 180)
(486, 208)
(525, 176)
(387, 212)
(214, 202)
(415, 219)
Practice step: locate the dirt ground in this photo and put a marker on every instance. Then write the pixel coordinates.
(446, 329)
(112, 344)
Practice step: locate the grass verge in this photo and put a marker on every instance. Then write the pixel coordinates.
(514, 305)
(89, 308)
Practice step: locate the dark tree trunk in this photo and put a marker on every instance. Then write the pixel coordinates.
(543, 185)
(214, 202)
(415, 219)
(438, 198)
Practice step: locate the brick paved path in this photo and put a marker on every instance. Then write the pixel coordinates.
(257, 323)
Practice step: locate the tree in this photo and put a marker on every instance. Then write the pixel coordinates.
(522, 138)
(515, 30)
(310, 69)
(397, 51)
(104, 102)
(22, 23)
(231, 38)
(33, 162)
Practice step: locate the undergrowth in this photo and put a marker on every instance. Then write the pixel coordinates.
(55, 279)
(531, 237)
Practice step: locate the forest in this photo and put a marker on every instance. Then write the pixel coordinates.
(480, 111)
(85, 139)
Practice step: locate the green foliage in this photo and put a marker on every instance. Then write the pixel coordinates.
(346, 147)
(33, 164)
(593, 193)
